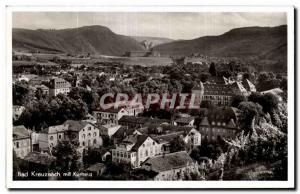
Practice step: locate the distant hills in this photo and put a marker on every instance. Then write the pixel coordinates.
(149, 42)
(267, 44)
(88, 39)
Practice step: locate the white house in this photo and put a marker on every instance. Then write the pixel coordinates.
(80, 133)
(135, 149)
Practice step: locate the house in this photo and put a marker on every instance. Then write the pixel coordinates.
(108, 129)
(169, 166)
(80, 133)
(17, 111)
(188, 134)
(123, 132)
(185, 121)
(21, 141)
(43, 88)
(59, 86)
(213, 129)
(109, 116)
(221, 94)
(135, 149)
(96, 169)
(90, 119)
(40, 162)
(249, 86)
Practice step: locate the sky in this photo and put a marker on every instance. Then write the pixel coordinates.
(174, 25)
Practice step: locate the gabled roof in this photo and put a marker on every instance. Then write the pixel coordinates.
(248, 85)
(170, 161)
(69, 125)
(140, 139)
(231, 124)
(204, 122)
(75, 125)
(20, 132)
(123, 132)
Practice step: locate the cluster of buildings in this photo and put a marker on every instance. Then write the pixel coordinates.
(220, 91)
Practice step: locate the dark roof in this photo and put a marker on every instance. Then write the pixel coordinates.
(110, 110)
(76, 125)
(122, 132)
(20, 132)
(169, 161)
(140, 139)
(228, 124)
(166, 137)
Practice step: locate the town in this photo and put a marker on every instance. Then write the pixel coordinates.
(240, 124)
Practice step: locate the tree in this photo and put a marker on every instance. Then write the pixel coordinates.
(177, 144)
(269, 102)
(250, 111)
(212, 69)
(237, 99)
(91, 156)
(66, 157)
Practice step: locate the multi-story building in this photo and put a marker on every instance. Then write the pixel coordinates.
(109, 116)
(213, 129)
(80, 133)
(188, 134)
(59, 86)
(135, 149)
(21, 141)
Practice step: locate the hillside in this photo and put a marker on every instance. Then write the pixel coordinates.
(150, 42)
(88, 39)
(265, 42)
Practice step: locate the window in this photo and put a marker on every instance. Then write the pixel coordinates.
(51, 138)
(95, 141)
(89, 135)
(95, 134)
(83, 136)
(17, 144)
(83, 143)
(89, 128)
(143, 145)
(153, 143)
(146, 153)
(59, 136)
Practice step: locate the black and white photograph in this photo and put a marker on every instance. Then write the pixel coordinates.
(182, 98)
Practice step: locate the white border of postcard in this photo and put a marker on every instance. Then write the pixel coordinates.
(154, 184)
